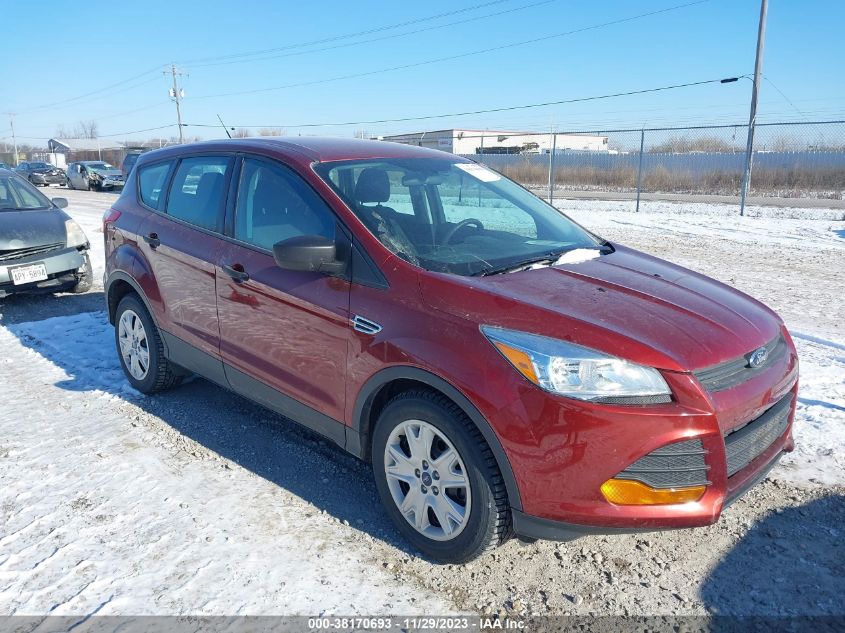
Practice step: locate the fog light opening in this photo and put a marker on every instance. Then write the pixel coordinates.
(627, 492)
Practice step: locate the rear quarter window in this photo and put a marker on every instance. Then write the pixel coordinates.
(151, 180)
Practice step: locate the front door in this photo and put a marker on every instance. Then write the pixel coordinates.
(283, 334)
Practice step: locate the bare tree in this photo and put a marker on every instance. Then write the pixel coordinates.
(85, 129)
(272, 131)
(241, 132)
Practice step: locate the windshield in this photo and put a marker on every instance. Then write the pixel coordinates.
(18, 195)
(99, 166)
(40, 166)
(453, 217)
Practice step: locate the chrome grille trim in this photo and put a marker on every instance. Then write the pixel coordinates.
(737, 371)
(20, 253)
(747, 443)
(672, 466)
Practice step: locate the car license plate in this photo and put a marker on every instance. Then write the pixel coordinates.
(28, 274)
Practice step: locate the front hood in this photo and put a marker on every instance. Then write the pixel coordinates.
(25, 229)
(626, 303)
(107, 172)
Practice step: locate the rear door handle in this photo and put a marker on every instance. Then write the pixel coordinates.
(236, 272)
(152, 240)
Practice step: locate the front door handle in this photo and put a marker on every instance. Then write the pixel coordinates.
(236, 272)
(152, 240)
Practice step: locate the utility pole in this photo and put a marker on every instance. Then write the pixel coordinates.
(176, 94)
(14, 139)
(752, 118)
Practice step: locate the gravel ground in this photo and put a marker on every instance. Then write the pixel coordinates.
(776, 551)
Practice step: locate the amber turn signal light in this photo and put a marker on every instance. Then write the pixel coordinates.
(626, 492)
(518, 359)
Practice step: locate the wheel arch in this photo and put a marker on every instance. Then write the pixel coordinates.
(117, 286)
(386, 383)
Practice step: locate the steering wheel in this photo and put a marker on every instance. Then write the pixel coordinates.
(468, 222)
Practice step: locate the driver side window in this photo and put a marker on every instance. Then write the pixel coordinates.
(274, 204)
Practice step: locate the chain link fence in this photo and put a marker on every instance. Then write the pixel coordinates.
(790, 160)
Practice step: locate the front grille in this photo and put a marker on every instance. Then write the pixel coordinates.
(747, 443)
(20, 253)
(737, 371)
(672, 466)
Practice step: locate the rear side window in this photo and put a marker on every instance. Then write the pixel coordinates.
(151, 182)
(196, 195)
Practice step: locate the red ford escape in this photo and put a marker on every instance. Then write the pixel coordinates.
(503, 369)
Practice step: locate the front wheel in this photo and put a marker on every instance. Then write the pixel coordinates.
(438, 479)
(140, 348)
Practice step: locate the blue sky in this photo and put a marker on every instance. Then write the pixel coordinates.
(53, 57)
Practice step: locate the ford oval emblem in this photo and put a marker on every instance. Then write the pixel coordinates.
(758, 357)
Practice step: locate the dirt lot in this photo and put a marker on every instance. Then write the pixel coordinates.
(198, 502)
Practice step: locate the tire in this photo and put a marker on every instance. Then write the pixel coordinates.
(480, 515)
(159, 374)
(68, 184)
(86, 277)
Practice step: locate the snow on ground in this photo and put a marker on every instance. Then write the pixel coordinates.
(98, 516)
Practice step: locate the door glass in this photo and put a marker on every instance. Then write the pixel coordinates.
(274, 204)
(197, 192)
(151, 181)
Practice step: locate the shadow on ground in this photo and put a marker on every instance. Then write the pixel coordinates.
(260, 441)
(36, 307)
(790, 563)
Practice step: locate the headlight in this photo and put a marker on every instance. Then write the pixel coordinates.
(578, 372)
(75, 234)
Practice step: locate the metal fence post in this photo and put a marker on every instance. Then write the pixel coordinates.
(640, 168)
(552, 168)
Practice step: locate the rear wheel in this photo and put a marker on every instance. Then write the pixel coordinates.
(438, 479)
(140, 348)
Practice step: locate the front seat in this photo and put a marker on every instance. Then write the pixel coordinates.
(373, 185)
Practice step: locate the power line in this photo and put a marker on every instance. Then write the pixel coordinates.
(375, 39)
(453, 57)
(347, 35)
(494, 110)
(47, 106)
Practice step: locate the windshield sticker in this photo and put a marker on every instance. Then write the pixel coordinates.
(479, 171)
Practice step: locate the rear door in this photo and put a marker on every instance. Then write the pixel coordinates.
(182, 244)
(283, 333)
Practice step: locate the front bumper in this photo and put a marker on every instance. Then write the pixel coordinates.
(61, 268)
(562, 451)
(47, 179)
(110, 182)
(531, 527)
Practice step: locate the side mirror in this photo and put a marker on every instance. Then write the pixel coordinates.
(310, 253)
(60, 202)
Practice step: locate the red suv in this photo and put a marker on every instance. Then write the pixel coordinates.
(503, 369)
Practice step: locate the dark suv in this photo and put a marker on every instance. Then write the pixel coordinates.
(503, 369)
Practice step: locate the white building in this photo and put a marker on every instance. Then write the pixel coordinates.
(500, 142)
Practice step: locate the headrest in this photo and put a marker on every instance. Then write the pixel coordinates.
(373, 186)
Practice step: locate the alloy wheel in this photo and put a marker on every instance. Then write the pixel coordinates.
(427, 479)
(134, 348)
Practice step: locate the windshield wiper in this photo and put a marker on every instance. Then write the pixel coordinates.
(547, 258)
(515, 266)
